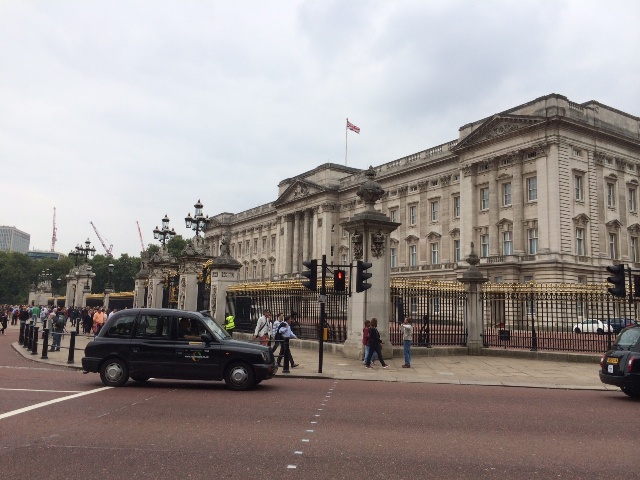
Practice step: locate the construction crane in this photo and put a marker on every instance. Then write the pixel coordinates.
(140, 233)
(108, 250)
(54, 237)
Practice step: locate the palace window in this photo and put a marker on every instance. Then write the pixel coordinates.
(506, 194)
(611, 195)
(456, 250)
(255, 245)
(435, 259)
(484, 198)
(634, 249)
(613, 246)
(413, 215)
(532, 189)
(576, 152)
(484, 245)
(578, 185)
(264, 244)
(344, 259)
(273, 243)
(507, 243)
(456, 206)
(413, 255)
(393, 215)
(633, 204)
(393, 252)
(435, 206)
(532, 235)
(255, 272)
(580, 241)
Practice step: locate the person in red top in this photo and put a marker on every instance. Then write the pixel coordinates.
(365, 342)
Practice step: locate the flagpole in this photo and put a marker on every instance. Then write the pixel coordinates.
(345, 141)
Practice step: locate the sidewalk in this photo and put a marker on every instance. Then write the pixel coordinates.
(496, 368)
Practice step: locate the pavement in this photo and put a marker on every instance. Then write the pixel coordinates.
(438, 365)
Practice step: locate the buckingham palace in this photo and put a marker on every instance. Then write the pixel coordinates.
(547, 191)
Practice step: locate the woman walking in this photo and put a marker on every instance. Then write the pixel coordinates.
(374, 344)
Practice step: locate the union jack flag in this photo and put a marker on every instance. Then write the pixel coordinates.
(352, 127)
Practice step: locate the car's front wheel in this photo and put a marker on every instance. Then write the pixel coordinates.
(631, 392)
(577, 330)
(114, 372)
(239, 376)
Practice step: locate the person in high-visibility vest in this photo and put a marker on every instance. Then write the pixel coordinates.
(229, 324)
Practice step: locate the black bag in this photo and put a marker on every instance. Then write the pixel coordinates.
(279, 332)
(60, 323)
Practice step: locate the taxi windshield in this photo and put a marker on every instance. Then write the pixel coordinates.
(628, 338)
(219, 332)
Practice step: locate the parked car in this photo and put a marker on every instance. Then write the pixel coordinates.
(617, 324)
(163, 343)
(591, 325)
(620, 366)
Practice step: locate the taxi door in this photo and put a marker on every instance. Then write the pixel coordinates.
(152, 350)
(196, 359)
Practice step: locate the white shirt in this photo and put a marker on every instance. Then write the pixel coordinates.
(263, 327)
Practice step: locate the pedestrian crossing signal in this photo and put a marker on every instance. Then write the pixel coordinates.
(339, 280)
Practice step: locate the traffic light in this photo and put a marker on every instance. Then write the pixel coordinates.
(311, 274)
(618, 280)
(339, 280)
(362, 276)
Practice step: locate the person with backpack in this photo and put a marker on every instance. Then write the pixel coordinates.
(284, 332)
(58, 328)
(263, 328)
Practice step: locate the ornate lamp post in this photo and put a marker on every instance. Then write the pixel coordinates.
(164, 234)
(198, 222)
(109, 285)
(86, 251)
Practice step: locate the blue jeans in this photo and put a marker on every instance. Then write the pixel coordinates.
(57, 336)
(366, 354)
(406, 347)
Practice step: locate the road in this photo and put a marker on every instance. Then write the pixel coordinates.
(303, 428)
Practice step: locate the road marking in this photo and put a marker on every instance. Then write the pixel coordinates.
(32, 390)
(51, 402)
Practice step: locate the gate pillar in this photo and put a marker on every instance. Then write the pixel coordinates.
(224, 272)
(369, 231)
(473, 279)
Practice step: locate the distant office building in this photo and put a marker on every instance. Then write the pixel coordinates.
(13, 240)
(40, 254)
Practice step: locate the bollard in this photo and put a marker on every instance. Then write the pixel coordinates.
(78, 325)
(27, 337)
(72, 347)
(21, 335)
(34, 341)
(45, 343)
(285, 349)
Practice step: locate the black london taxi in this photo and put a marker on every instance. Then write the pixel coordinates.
(149, 343)
(620, 366)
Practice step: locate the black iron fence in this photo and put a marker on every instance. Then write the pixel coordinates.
(436, 311)
(248, 301)
(560, 317)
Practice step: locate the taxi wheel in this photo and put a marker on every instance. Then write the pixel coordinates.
(114, 373)
(577, 330)
(631, 392)
(239, 376)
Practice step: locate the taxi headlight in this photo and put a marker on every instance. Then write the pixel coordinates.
(265, 357)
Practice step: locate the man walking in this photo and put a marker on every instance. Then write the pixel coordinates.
(407, 336)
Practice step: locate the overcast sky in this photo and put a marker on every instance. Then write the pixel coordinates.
(123, 111)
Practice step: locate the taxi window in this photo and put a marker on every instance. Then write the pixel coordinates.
(628, 338)
(154, 326)
(122, 327)
(190, 329)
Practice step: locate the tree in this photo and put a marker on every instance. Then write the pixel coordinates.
(176, 245)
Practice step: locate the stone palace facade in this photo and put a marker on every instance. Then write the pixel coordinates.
(547, 191)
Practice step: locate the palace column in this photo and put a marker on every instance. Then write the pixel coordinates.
(307, 233)
(295, 257)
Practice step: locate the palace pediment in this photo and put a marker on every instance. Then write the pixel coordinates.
(298, 190)
(497, 126)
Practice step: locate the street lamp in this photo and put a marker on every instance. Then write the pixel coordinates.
(86, 251)
(109, 284)
(164, 234)
(198, 222)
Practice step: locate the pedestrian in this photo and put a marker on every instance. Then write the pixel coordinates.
(24, 315)
(365, 342)
(274, 329)
(375, 344)
(263, 328)
(284, 332)
(87, 321)
(229, 323)
(98, 321)
(58, 329)
(3, 320)
(407, 336)
(35, 314)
